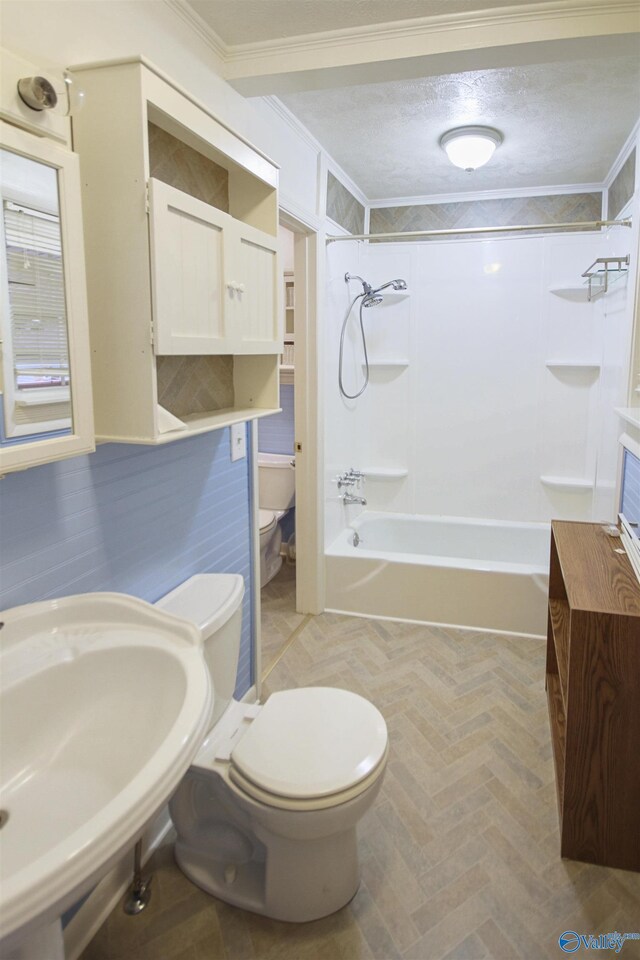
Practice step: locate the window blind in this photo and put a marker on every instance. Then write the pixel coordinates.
(36, 297)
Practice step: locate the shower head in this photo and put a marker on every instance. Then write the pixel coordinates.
(372, 301)
(368, 290)
(398, 284)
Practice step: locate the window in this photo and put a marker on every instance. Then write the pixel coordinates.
(37, 358)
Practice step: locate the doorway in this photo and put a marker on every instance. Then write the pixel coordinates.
(296, 590)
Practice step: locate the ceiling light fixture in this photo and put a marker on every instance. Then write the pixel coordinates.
(470, 147)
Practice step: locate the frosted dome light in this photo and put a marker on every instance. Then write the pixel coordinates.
(470, 147)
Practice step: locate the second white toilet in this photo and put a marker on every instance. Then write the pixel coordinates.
(266, 815)
(276, 495)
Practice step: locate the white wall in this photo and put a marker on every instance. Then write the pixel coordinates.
(478, 416)
(285, 249)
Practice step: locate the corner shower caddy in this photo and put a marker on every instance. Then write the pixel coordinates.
(603, 272)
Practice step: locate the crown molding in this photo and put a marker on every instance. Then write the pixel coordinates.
(548, 9)
(475, 195)
(206, 33)
(424, 27)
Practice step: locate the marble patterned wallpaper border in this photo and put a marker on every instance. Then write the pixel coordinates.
(621, 190)
(343, 207)
(195, 384)
(182, 167)
(512, 211)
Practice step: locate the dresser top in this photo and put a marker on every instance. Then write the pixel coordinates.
(596, 577)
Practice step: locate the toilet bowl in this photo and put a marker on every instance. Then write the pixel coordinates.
(276, 495)
(266, 815)
(270, 543)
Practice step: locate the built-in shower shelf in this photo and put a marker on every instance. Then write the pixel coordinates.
(401, 362)
(385, 473)
(568, 484)
(572, 365)
(630, 414)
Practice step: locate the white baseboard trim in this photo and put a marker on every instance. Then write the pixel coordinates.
(83, 927)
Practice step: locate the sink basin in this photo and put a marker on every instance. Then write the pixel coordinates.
(104, 703)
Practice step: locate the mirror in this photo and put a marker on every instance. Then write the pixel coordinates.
(45, 370)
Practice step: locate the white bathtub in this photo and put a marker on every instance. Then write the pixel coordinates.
(480, 574)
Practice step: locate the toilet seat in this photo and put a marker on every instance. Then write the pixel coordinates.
(310, 745)
(267, 521)
(311, 803)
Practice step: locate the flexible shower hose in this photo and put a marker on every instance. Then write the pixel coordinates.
(353, 396)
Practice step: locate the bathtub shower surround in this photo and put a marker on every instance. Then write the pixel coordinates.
(491, 399)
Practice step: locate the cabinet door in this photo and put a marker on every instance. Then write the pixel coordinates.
(188, 267)
(255, 290)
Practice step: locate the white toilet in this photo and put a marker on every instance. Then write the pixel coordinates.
(276, 495)
(266, 815)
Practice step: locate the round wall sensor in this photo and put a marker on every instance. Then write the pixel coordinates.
(37, 93)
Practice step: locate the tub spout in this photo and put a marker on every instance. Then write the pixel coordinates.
(349, 498)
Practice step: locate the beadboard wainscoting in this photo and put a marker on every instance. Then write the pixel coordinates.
(133, 519)
(276, 433)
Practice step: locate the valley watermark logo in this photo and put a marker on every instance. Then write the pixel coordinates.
(570, 941)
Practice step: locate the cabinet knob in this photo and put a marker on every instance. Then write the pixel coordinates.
(240, 287)
(234, 285)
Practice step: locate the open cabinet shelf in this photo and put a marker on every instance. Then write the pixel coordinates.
(593, 665)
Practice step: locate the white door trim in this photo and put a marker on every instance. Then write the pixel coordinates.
(308, 407)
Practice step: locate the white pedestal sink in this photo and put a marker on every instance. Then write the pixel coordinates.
(104, 701)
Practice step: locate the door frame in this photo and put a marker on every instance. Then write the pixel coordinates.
(308, 413)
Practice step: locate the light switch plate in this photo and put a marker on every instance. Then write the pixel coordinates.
(238, 441)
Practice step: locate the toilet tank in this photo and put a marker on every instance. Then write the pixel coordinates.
(276, 481)
(213, 601)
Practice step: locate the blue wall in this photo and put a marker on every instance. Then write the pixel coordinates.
(134, 519)
(276, 433)
(630, 499)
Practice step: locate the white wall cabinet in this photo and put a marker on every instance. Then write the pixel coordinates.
(214, 278)
(175, 272)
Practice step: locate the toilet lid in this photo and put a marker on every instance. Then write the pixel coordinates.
(266, 519)
(311, 742)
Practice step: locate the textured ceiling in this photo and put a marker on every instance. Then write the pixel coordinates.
(246, 21)
(563, 123)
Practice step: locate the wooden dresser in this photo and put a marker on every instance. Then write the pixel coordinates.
(593, 693)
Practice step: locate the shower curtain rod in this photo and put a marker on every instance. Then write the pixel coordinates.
(409, 234)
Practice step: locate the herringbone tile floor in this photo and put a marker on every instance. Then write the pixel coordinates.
(460, 850)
